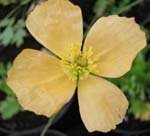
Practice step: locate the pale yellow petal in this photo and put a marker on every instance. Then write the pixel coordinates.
(39, 83)
(116, 41)
(102, 105)
(56, 24)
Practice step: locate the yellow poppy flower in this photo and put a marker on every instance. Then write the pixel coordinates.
(44, 83)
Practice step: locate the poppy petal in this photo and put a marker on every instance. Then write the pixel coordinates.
(56, 24)
(102, 105)
(116, 41)
(39, 83)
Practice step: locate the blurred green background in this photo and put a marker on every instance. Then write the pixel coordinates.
(14, 37)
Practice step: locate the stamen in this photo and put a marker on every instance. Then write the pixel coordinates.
(77, 63)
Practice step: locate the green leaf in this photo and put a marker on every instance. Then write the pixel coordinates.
(100, 7)
(12, 33)
(19, 36)
(2, 70)
(6, 36)
(9, 108)
(103, 7)
(140, 109)
(7, 21)
(20, 33)
(4, 87)
(3, 74)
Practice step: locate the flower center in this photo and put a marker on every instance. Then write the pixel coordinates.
(78, 64)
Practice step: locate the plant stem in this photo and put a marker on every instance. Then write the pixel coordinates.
(50, 121)
(119, 12)
(19, 6)
(129, 6)
(12, 12)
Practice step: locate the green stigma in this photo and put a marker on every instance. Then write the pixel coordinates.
(78, 63)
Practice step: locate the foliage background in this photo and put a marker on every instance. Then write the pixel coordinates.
(14, 37)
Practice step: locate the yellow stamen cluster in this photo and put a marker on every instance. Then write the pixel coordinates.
(77, 63)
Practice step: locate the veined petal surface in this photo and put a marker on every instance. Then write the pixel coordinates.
(39, 83)
(116, 41)
(102, 105)
(56, 24)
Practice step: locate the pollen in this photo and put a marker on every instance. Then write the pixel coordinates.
(78, 64)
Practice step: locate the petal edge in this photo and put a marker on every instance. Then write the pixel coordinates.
(102, 104)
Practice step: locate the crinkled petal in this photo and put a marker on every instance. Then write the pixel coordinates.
(39, 83)
(116, 41)
(56, 24)
(102, 105)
